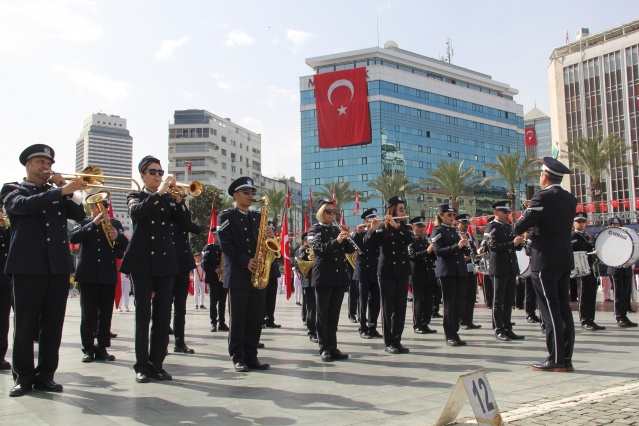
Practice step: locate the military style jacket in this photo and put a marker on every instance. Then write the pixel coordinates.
(211, 258)
(421, 261)
(329, 267)
(393, 258)
(450, 258)
(5, 239)
(366, 263)
(581, 242)
(503, 259)
(183, 250)
(39, 236)
(237, 232)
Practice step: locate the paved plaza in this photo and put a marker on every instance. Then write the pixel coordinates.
(372, 387)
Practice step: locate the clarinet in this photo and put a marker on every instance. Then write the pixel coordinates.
(350, 240)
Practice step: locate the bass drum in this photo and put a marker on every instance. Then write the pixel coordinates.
(617, 247)
(524, 263)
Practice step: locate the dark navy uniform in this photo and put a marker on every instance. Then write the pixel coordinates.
(467, 314)
(423, 280)
(151, 261)
(369, 296)
(40, 264)
(587, 284)
(622, 280)
(503, 269)
(271, 295)
(5, 296)
(182, 281)
(238, 231)
(309, 295)
(330, 279)
(530, 301)
(211, 258)
(452, 274)
(97, 275)
(550, 214)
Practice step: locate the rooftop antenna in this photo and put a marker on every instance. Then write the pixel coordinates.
(450, 52)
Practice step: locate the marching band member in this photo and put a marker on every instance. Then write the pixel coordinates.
(393, 235)
(467, 313)
(530, 299)
(199, 282)
(152, 264)
(588, 283)
(309, 292)
(297, 285)
(550, 213)
(125, 283)
(39, 263)
(503, 269)
(238, 232)
(271, 291)
(422, 258)
(96, 274)
(213, 276)
(5, 289)
(450, 270)
(622, 279)
(329, 277)
(366, 275)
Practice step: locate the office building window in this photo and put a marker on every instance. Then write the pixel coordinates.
(317, 165)
(223, 166)
(421, 165)
(340, 178)
(223, 138)
(340, 163)
(317, 181)
(364, 160)
(364, 177)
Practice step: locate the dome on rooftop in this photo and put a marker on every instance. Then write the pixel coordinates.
(390, 44)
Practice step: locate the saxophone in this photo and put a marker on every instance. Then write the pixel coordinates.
(220, 276)
(267, 250)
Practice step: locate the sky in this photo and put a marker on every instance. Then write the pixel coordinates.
(62, 60)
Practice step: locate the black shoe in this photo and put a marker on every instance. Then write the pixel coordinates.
(260, 345)
(402, 349)
(460, 342)
(551, 366)
(473, 326)
(630, 323)
(5, 365)
(464, 326)
(48, 386)
(588, 326)
(20, 389)
(338, 355)
(182, 348)
(428, 330)
(223, 327)
(597, 326)
(312, 338)
(622, 324)
(112, 335)
(532, 319)
(272, 325)
(365, 335)
(197, 307)
(160, 374)
(202, 307)
(141, 377)
(452, 342)
(419, 330)
(352, 319)
(213, 328)
(436, 315)
(241, 367)
(391, 349)
(514, 336)
(257, 365)
(374, 333)
(502, 336)
(88, 357)
(569, 366)
(326, 356)
(101, 354)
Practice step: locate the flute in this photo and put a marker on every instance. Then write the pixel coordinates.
(349, 239)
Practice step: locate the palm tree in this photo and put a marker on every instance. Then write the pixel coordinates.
(390, 185)
(594, 157)
(276, 202)
(343, 194)
(451, 177)
(511, 169)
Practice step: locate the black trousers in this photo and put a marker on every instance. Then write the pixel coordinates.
(503, 300)
(353, 298)
(311, 310)
(5, 310)
(621, 285)
(422, 303)
(270, 299)
(217, 300)
(574, 289)
(96, 307)
(587, 298)
(488, 290)
(553, 297)
(468, 311)
(394, 292)
(246, 309)
(304, 309)
(369, 300)
(40, 302)
(328, 302)
(530, 304)
(453, 295)
(180, 294)
(520, 293)
(150, 352)
(437, 296)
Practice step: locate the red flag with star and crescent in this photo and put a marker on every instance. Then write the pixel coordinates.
(286, 255)
(306, 225)
(310, 199)
(356, 203)
(288, 197)
(118, 285)
(334, 200)
(531, 136)
(341, 100)
(212, 225)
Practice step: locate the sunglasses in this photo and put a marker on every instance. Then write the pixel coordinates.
(330, 211)
(449, 214)
(401, 209)
(153, 172)
(419, 225)
(248, 192)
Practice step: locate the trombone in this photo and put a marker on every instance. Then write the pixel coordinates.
(94, 176)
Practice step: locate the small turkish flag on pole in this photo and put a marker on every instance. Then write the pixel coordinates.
(286, 255)
(310, 199)
(288, 197)
(343, 220)
(356, 203)
(306, 225)
(188, 165)
(334, 198)
(213, 224)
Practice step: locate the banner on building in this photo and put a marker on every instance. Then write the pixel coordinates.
(531, 136)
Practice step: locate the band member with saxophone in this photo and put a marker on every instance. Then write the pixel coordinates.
(366, 275)
(550, 213)
(182, 281)
(622, 280)
(422, 258)
(306, 254)
(152, 264)
(39, 264)
(97, 275)
(503, 269)
(393, 235)
(271, 291)
(214, 277)
(467, 313)
(588, 283)
(329, 277)
(450, 270)
(239, 232)
(5, 289)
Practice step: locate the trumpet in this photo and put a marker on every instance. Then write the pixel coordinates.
(180, 189)
(94, 176)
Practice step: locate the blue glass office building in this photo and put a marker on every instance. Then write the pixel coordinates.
(422, 111)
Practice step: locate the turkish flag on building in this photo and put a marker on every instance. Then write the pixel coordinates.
(188, 165)
(603, 206)
(288, 197)
(626, 203)
(614, 204)
(286, 256)
(213, 224)
(531, 136)
(590, 207)
(580, 208)
(484, 220)
(637, 203)
(343, 117)
(356, 203)
(306, 224)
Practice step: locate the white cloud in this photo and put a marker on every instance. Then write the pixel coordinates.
(168, 46)
(275, 94)
(228, 83)
(298, 37)
(239, 38)
(112, 91)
